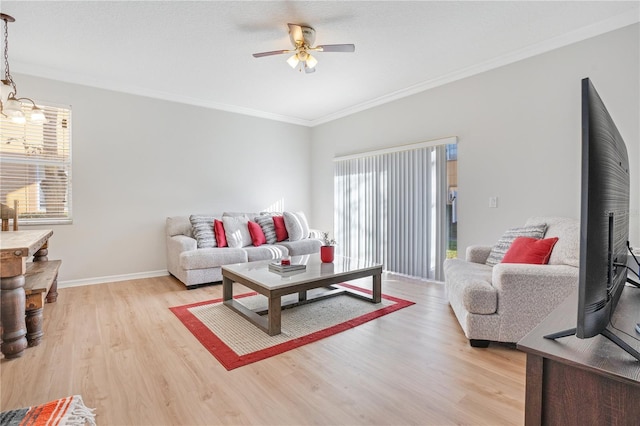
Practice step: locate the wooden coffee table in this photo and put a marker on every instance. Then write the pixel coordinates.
(256, 276)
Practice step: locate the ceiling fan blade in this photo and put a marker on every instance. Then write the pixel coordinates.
(295, 34)
(273, 52)
(336, 48)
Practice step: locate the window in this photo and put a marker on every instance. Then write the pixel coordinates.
(35, 166)
(391, 207)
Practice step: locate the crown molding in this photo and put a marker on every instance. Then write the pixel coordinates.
(611, 24)
(83, 80)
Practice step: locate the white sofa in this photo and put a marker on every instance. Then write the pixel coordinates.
(504, 302)
(196, 266)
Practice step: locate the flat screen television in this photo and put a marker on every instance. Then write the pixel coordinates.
(604, 222)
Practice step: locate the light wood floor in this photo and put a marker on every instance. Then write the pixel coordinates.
(120, 347)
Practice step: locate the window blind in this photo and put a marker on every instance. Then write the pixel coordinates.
(390, 207)
(35, 166)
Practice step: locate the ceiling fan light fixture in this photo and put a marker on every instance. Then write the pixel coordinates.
(303, 38)
(311, 61)
(293, 61)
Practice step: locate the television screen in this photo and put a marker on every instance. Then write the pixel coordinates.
(604, 222)
(604, 216)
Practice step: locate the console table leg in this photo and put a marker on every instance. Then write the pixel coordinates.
(13, 320)
(52, 296)
(34, 320)
(41, 255)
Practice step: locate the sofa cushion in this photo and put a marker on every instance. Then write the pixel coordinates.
(202, 226)
(237, 231)
(530, 250)
(302, 247)
(567, 249)
(211, 257)
(477, 254)
(297, 225)
(281, 229)
(469, 284)
(268, 228)
(178, 225)
(500, 248)
(239, 214)
(266, 252)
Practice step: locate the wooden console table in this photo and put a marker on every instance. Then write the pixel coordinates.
(573, 381)
(21, 312)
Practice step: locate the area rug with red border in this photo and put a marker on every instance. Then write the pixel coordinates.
(236, 342)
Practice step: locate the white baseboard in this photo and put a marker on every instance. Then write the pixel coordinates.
(111, 279)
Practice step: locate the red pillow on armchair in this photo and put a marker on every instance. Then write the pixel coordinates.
(530, 250)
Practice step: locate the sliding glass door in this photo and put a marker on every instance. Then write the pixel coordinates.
(391, 207)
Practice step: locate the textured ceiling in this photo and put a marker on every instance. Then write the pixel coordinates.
(200, 52)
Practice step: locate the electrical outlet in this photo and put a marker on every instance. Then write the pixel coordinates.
(493, 202)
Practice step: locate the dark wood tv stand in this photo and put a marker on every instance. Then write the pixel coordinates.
(583, 381)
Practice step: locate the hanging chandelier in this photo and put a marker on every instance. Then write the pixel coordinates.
(10, 103)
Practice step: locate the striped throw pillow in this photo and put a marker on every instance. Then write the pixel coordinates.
(202, 228)
(268, 228)
(500, 248)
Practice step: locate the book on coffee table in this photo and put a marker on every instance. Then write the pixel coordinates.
(279, 268)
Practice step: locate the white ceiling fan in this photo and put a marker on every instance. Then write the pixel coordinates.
(302, 38)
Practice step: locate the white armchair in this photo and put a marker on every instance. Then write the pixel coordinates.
(504, 302)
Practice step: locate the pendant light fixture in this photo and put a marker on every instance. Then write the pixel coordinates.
(10, 104)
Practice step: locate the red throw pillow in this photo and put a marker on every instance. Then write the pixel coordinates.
(218, 231)
(257, 235)
(530, 250)
(281, 230)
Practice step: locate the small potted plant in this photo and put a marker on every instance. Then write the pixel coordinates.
(327, 249)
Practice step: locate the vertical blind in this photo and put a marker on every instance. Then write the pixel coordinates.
(391, 208)
(35, 166)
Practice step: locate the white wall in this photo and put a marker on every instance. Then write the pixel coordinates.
(138, 160)
(519, 133)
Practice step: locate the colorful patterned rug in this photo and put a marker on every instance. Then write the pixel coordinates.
(236, 342)
(64, 412)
